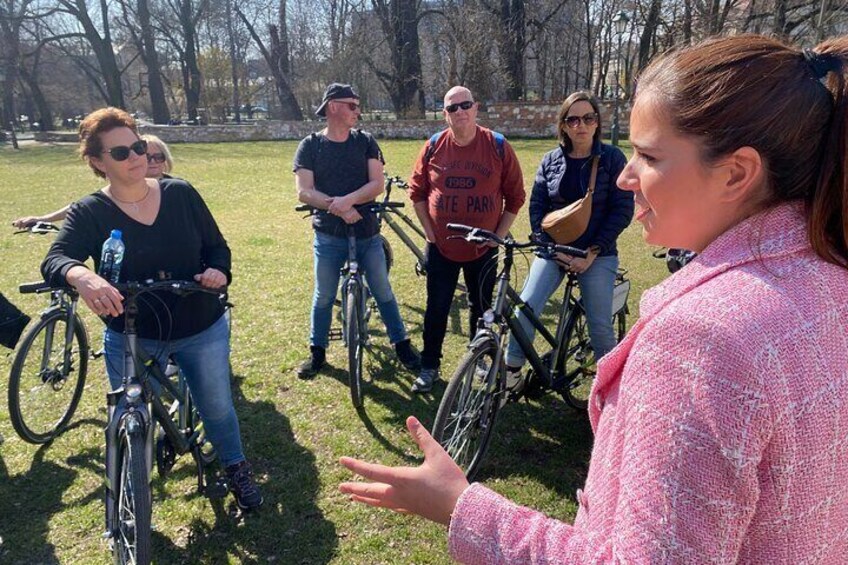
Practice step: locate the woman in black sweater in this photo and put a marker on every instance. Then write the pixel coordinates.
(169, 233)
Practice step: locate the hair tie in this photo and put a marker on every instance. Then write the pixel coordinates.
(821, 64)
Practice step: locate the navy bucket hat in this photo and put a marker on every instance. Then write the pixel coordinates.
(335, 91)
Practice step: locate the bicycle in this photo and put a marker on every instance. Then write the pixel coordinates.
(675, 258)
(356, 303)
(50, 366)
(134, 412)
(478, 389)
(388, 216)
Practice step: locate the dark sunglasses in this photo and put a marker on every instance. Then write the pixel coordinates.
(352, 106)
(451, 108)
(155, 157)
(574, 121)
(122, 152)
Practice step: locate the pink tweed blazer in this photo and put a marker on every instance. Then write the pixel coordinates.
(721, 422)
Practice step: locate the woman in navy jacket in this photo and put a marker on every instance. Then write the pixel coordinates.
(563, 178)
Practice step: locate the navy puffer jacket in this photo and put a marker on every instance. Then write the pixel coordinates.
(612, 208)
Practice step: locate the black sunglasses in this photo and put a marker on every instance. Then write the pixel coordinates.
(352, 106)
(451, 108)
(122, 152)
(574, 121)
(155, 157)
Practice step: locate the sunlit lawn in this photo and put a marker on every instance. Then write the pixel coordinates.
(51, 498)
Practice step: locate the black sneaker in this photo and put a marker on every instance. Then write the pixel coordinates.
(407, 355)
(240, 479)
(309, 368)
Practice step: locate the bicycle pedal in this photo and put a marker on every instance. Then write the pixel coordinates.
(335, 334)
(217, 490)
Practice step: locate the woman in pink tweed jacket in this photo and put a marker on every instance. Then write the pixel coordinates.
(721, 420)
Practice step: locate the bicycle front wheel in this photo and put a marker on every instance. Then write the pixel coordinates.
(45, 387)
(355, 343)
(131, 544)
(579, 362)
(468, 409)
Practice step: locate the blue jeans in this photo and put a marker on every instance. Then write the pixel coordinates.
(330, 254)
(204, 360)
(596, 290)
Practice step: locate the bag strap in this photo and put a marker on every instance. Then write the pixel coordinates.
(594, 176)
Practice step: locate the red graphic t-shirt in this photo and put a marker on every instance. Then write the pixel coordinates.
(471, 185)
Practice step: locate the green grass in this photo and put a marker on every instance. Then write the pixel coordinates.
(294, 431)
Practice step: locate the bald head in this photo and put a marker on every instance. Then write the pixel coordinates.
(456, 91)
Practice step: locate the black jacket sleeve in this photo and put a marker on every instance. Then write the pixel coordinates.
(540, 200)
(619, 205)
(74, 244)
(215, 252)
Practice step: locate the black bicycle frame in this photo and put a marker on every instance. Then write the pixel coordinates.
(131, 413)
(507, 300)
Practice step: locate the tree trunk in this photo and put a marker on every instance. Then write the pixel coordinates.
(191, 73)
(399, 20)
(277, 58)
(45, 116)
(512, 47)
(159, 106)
(652, 21)
(233, 63)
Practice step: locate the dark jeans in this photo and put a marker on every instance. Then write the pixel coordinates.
(442, 276)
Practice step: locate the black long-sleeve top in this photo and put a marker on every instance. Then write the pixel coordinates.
(183, 241)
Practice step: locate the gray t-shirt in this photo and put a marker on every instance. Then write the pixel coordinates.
(339, 169)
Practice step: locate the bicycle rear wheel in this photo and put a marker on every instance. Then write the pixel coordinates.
(468, 409)
(44, 390)
(580, 359)
(131, 544)
(355, 343)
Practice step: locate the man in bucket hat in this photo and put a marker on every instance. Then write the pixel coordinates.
(335, 170)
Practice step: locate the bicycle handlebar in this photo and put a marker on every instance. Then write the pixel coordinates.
(479, 235)
(370, 206)
(39, 228)
(136, 288)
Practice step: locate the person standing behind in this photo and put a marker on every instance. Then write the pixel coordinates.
(466, 174)
(335, 170)
(563, 178)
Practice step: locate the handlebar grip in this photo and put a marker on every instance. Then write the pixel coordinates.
(34, 287)
(460, 227)
(303, 208)
(573, 251)
(393, 204)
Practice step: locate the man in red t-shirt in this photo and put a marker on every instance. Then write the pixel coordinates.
(467, 175)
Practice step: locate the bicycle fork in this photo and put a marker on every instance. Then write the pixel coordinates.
(130, 418)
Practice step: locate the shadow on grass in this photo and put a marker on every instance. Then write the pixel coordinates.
(28, 501)
(545, 440)
(288, 528)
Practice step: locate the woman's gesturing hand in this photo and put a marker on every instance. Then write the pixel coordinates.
(211, 278)
(96, 292)
(429, 490)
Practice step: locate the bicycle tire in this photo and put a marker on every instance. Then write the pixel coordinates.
(44, 394)
(387, 251)
(355, 343)
(131, 543)
(468, 410)
(580, 358)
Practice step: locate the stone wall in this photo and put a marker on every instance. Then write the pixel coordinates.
(513, 119)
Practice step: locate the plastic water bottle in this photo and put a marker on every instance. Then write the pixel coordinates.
(112, 257)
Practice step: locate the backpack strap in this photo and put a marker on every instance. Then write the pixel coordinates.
(499, 143)
(431, 145)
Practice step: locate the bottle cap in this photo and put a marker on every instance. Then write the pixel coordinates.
(116, 234)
